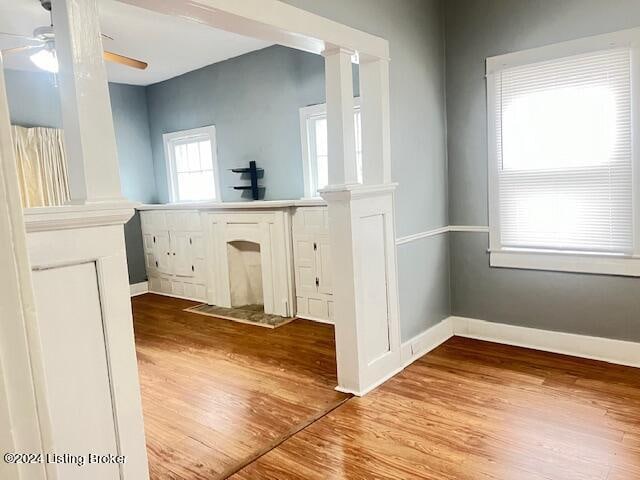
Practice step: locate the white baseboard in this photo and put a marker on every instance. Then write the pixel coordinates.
(596, 348)
(619, 352)
(376, 384)
(181, 297)
(426, 341)
(139, 288)
(315, 319)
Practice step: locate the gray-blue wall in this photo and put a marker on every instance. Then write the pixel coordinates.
(34, 101)
(131, 124)
(415, 32)
(254, 101)
(475, 29)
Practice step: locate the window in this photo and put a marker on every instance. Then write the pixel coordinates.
(192, 170)
(561, 162)
(313, 131)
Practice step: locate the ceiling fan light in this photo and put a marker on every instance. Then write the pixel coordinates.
(45, 59)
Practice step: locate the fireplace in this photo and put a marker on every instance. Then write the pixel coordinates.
(252, 259)
(245, 273)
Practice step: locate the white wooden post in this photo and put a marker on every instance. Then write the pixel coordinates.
(86, 115)
(362, 233)
(68, 370)
(339, 87)
(374, 105)
(24, 420)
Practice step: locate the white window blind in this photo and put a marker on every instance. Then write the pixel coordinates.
(564, 153)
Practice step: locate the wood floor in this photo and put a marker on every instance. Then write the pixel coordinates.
(476, 410)
(217, 393)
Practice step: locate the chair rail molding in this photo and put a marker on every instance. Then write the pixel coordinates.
(441, 230)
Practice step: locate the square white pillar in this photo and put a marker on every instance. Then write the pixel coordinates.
(340, 125)
(375, 114)
(361, 224)
(86, 109)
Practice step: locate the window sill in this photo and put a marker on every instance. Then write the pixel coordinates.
(566, 262)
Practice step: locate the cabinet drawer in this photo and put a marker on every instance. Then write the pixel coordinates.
(311, 220)
(188, 221)
(151, 221)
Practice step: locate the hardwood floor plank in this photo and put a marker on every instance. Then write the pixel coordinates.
(476, 410)
(216, 393)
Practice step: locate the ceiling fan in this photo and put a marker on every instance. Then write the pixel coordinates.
(43, 48)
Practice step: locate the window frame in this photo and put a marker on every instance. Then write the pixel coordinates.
(564, 260)
(307, 113)
(169, 140)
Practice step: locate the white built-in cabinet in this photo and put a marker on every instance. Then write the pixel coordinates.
(180, 264)
(312, 264)
(175, 253)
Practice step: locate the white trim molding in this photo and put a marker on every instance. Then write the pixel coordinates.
(426, 341)
(139, 288)
(44, 219)
(576, 262)
(420, 235)
(619, 352)
(273, 21)
(469, 228)
(315, 319)
(440, 231)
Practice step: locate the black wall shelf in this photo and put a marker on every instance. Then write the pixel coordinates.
(257, 191)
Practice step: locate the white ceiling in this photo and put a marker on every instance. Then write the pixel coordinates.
(169, 45)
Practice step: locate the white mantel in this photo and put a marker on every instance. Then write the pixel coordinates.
(256, 204)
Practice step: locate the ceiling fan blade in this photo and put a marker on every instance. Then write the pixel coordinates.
(23, 37)
(19, 49)
(121, 59)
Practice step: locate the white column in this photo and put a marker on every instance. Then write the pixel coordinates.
(362, 233)
(340, 127)
(24, 422)
(375, 111)
(86, 110)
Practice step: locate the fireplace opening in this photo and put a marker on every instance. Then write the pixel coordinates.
(245, 273)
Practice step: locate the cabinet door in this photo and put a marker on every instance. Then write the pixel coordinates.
(153, 221)
(162, 251)
(181, 244)
(305, 265)
(323, 260)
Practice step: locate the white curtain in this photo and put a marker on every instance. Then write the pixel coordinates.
(42, 166)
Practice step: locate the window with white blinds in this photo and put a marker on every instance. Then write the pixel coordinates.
(561, 172)
(564, 153)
